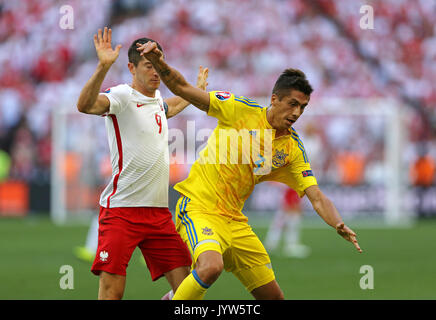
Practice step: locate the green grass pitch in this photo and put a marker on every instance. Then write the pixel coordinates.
(32, 251)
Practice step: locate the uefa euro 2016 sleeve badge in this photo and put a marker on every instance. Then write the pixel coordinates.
(223, 95)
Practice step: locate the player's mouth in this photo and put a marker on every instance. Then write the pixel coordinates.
(290, 122)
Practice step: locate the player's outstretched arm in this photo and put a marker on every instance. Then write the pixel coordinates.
(177, 104)
(172, 78)
(326, 210)
(90, 101)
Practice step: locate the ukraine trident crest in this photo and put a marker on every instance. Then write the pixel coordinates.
(279, 158)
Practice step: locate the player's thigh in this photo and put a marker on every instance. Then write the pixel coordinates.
(251, 263)
(176, 276)
(200, 231)
(116, 243)
(164, 250)
(269, 291)
(111, 286)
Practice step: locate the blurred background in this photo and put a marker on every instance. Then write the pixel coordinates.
(369, 130)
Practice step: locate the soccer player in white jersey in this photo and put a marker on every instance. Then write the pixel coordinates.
(134, 206)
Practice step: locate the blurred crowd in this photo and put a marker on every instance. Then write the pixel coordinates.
(246, 44)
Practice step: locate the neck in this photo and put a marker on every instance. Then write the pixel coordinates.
(270, 117)
(272, 121)
(143, 90)
(283, 132)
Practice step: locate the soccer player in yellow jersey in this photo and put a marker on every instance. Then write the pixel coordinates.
(209, 213)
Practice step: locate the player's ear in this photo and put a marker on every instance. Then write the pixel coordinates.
(132, 68)
(274, 98)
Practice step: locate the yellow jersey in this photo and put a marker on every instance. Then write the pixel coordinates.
(241, 152)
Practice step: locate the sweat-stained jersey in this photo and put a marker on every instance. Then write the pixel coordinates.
(241, 152)
(137, 132)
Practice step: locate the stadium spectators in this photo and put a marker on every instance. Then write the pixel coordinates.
(240, 41)
(422, 175)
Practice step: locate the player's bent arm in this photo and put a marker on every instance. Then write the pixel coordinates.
(175, 106)
(173, 79)
(323, 206)
(90, 101)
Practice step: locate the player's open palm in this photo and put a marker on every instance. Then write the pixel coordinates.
(103, 46)
(202, 78)
(348, 235)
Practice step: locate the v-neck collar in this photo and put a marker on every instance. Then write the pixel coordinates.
(147, 98)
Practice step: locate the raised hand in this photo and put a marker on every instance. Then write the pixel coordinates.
(348, 235)
(202, 78)
(149, 50)
(103, 46)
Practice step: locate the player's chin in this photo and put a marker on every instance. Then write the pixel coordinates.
(155, 84)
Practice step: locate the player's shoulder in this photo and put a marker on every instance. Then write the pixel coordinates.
(224, 96)
(121, 88)
(298, 145)
(295, 138)
(248, 103)
(294, 133)
(221, 96)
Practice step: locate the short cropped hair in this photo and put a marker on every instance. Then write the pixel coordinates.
(292, 79)
(134, 56)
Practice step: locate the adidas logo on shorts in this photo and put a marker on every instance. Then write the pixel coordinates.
(207, 231)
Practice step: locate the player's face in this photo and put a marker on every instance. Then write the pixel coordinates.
(288, 109)
(145, 75)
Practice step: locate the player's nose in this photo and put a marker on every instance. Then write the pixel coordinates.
(296, 113)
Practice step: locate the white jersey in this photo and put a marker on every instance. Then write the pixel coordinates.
(137, 131)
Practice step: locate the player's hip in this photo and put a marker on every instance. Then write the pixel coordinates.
(235, 240)
(210, 206)
(153, 219)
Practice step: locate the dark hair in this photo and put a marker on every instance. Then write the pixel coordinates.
(292, 79)
(134, 56)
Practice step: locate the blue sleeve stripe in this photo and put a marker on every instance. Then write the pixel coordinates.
(297, 138)
(301, 147)
(300, 144)
(248, 104)
(247, 99)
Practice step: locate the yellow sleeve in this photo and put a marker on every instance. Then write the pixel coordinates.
(301, 175)
(222, 106)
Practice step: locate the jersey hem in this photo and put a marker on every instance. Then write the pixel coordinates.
(147, 205)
